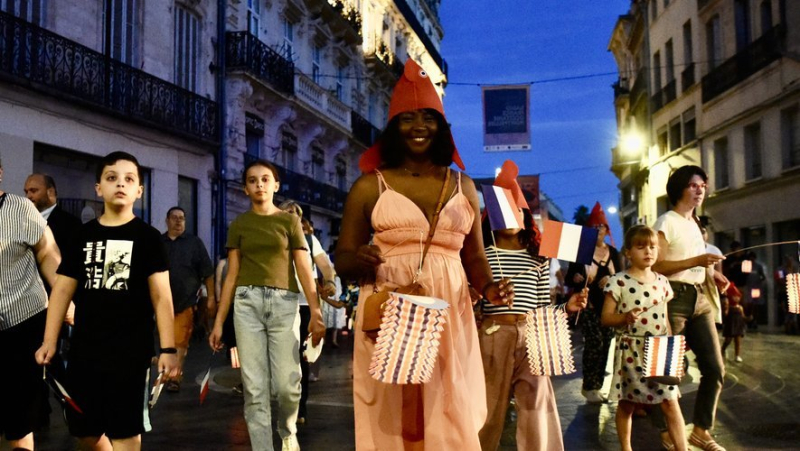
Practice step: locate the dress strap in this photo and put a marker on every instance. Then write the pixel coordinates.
(382, 185)
(458, 181)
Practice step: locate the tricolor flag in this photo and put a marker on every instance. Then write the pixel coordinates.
(204, 385)
(663, 356)
(502, 210)
(62, 394)
(568, 242)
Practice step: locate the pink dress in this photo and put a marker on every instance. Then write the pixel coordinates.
(447, 412)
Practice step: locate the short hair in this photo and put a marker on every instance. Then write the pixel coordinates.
(169, 212)
(639, 234)
(393, 148)
(287, 204)
(680, 179)
(263, 163)
(112, 158)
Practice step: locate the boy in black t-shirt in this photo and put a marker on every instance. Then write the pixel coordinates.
(116, 271)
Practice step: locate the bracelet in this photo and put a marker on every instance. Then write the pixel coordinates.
(168, 351)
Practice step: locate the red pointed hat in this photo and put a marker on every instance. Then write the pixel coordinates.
(507, 178)
(413, 91)
(597, 217)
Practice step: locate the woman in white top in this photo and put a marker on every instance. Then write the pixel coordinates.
(682, 257)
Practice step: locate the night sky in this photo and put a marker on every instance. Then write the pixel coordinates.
(573, 126)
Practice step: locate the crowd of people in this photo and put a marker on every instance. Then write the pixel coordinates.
(409, 221)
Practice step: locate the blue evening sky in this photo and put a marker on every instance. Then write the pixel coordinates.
(572, 122)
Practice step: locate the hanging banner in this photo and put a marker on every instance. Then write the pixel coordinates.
(506, 118)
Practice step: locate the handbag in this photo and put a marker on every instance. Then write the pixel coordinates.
(663, 358)
(548, 342)
(372, 308)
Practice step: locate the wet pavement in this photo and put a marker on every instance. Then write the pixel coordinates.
(759, 408)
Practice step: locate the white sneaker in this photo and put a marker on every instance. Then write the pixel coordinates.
(290, 444)
(739, 359)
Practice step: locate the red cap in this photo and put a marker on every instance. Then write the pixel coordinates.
(413, 91)
(732, 291)
(597, 217)
(507, 178)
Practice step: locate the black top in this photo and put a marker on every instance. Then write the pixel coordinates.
(596, 295)
(189, 266)
(64, 225)
(113, 309)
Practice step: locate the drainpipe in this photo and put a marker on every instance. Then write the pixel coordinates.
(220, 232)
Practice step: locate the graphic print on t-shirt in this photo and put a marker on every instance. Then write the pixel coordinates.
(108, 264)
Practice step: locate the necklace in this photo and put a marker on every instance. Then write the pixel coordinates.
(417, 174)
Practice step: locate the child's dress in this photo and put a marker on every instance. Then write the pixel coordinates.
(629, 383)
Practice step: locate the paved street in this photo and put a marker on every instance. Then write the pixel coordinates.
(758, 409)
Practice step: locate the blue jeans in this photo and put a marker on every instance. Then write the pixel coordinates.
(266, 322)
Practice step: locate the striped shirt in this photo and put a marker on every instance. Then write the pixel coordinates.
(22, 293)
(531, 289)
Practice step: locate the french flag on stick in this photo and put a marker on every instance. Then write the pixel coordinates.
(568, 242)
(502, 210)
(204, 385)
(61, 392)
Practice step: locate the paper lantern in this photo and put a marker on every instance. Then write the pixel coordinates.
(663, 357)
(408, 341)
(548, 341)
(793, 292)
(747, 266)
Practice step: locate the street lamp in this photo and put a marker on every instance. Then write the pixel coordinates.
(612, 209)
(631, 143)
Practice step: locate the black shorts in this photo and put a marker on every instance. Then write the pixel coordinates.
(113, 400)
(20, 377)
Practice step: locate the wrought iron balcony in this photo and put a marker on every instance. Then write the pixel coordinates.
(620, 87)
(47, 62)
(384, 62)
(639, 85)
(245, 52)
(305, 189)
(687, 77)
(759, 54)
(664, 96)
(363, 130)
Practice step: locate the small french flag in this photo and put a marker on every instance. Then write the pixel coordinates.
(63, 396)
(568, 242)
(204, 385)
(503, 212)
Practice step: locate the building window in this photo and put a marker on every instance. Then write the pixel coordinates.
(675, 134)
(288, 150)
(752, 151)
(741, 12)
(341, 173)
(663, 142)
(721, 178)
(29, 10)
(657, 72)
(766, 16)
(253, 17)
(790, 137)
(713, 43)
(689, 126)
(316, 59)
(187, 48)
(122, 24)
(688, 57)
(317, 162)
(288, 40)
(340, 82)
(187, 199)
(253, 135)
(653, 10)
(670, 62)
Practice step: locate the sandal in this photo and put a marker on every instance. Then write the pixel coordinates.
(669, 446)
(705, 445)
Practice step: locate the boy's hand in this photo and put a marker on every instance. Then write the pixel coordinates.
(168, 364)
(578, 301)
(45, 353)
(316, 327)
(215, 338)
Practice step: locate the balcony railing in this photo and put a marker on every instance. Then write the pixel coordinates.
(322, 100)
(759, 54)
(664, 96)
(382, 59)
(44, 61)
(305, 189)
(639, 85)
(344, 22)
(687, 77)
(247, 53)
(620, 87)
(363, 130)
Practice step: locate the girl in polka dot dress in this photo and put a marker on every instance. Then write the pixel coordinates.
(636, 304)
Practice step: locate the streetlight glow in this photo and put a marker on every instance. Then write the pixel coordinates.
(612, 209)
(631, 143)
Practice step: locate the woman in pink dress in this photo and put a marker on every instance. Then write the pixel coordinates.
(394, 202)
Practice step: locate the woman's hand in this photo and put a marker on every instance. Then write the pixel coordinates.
(215, 337)
(369, 255)
(316, 327)
(578, 301)
(45, 353)
(500, 293)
